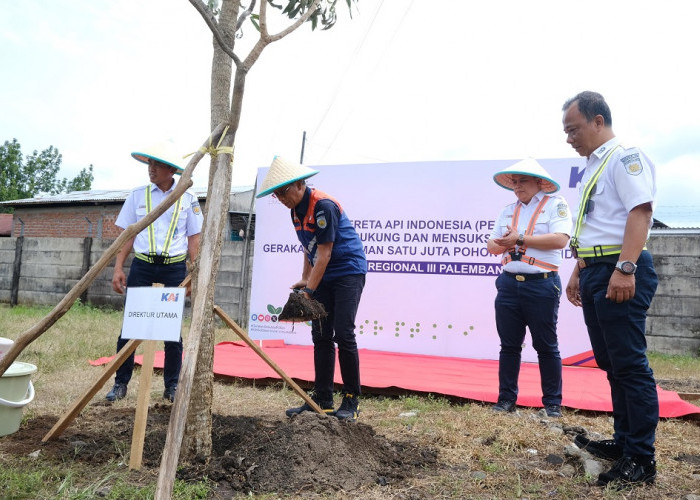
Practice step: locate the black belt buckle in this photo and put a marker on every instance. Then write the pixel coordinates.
(528, 277)
(602, 259)
(516, 256)
(156, 259)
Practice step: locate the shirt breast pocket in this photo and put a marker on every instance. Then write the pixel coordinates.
(542, 224)
(596, 193)
(141, 213)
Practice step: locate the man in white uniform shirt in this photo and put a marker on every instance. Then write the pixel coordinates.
(529, 234)
(615, 282)
(160, 251)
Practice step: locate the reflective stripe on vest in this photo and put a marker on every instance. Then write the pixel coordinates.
(583, 204)
(507, 257)
(152, 255)
(308, 224)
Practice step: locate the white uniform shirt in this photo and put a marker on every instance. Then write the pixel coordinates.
(555, 218)
(629, 180)
(189, 223)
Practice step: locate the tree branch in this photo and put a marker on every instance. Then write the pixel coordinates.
(245, 15)
(266, 39)
(263, 20)
(314, 7)
(214, 27)
(65, 304)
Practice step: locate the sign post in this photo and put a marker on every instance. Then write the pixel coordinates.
(150, 314)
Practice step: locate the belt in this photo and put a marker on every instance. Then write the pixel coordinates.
(602, 259)
(160, 259)
(598, 251)
(528, 277)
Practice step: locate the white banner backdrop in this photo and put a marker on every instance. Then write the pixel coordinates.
(430, 286)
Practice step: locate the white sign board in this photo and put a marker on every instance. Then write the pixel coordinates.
(152, 313)
(430, 288)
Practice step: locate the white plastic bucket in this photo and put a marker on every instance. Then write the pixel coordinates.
(5, 345)
(16, 392)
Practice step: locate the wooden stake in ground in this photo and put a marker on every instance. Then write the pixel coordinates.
(78, 406)
(65, 304)
(144, 395)
(109, 370)
(244, 336)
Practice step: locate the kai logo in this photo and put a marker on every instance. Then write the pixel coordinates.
(575, 176)
(169, 297)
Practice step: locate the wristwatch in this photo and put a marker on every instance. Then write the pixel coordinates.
(521, 240)
(626, 267)
(308, 290)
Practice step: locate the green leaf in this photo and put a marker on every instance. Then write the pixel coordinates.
(278, 310)
(271, 309)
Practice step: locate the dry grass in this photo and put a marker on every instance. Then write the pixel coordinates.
(481, 454)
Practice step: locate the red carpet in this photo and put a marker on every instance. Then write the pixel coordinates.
(584, 388)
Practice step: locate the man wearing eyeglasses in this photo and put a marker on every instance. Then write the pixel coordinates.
(333, 273)
(160, 250)
(615, 282)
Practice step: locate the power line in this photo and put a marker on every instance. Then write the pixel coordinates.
(374, 70)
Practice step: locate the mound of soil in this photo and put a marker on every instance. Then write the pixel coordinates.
(307, 453)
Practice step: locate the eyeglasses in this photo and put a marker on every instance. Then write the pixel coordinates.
(281, 192)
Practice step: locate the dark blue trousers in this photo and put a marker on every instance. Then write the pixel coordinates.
(617, 333)
(533, 304)
(144, 274)
(341, 298)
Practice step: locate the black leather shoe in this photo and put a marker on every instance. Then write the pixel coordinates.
(553, 411)
(504, 406)
(117, 392)
(169, 393)
(628, 471)
(606, 449)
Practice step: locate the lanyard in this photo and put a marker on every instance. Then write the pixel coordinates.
(520, 255)
(586, 196)
(171, 227)
(533, 219)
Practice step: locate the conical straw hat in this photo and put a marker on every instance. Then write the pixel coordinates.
(282, 173)
(529, 167)
(164, 152)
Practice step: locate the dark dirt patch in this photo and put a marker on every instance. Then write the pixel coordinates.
(680, 385)
(308, 453)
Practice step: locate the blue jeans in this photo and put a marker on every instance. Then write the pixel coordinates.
(533, 304)
(341, 298)
(617, 333)
(145, 274)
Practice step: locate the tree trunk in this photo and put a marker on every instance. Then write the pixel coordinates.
(197, 440)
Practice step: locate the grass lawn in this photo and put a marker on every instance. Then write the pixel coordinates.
(448, 448)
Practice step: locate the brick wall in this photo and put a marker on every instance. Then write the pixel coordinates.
(50, 267)
(67, 222)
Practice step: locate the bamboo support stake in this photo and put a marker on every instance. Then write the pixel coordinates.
(109, 370)
(65, 304)
(78, 406)
(251, 343)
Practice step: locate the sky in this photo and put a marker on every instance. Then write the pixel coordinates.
(400, 81)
